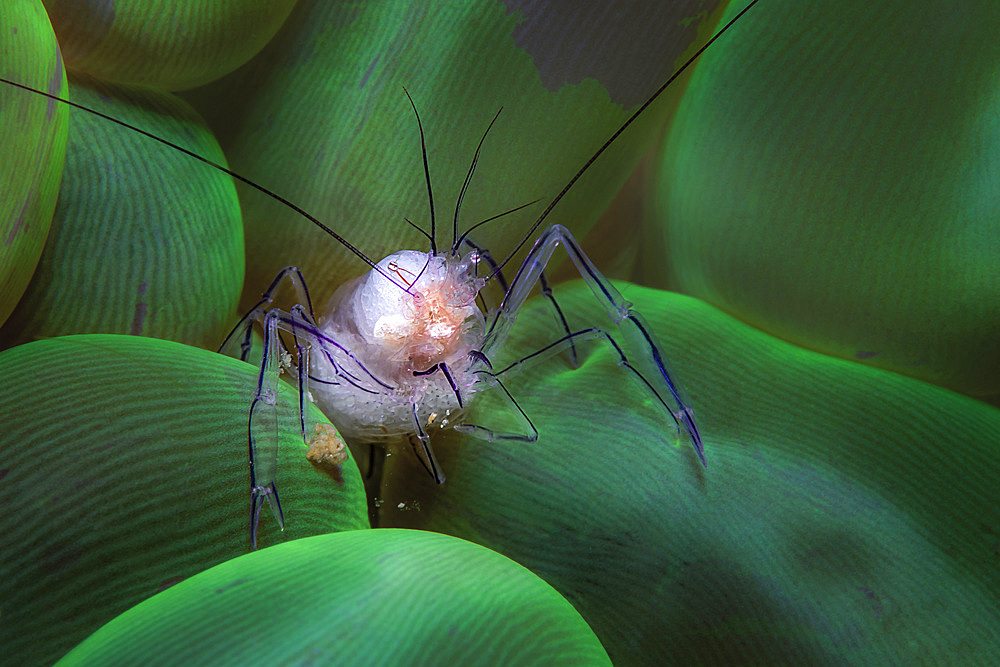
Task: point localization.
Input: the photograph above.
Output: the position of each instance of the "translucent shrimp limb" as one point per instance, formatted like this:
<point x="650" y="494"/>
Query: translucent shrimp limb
<point x="243" y="330"/>
<point x="496" y="271"/>
<point x="344" y="367"/>
<point x="262" y="428"/>
<point x="641" y="353"/>
<point x="263" y="422"/>
<point x="263" y="435"/>
<point x="530" y="433"/>
<point x="421" y="443"/>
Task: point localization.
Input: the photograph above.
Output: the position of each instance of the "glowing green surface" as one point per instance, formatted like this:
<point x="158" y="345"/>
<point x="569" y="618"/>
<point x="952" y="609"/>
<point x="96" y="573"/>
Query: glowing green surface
<point x="846" y="516"/>
<point x="320" y="117"/>
<point x="848" y="513"/>
<point x="123" y="469"/>
<point x="831" y="177"/>
<point x="167" y="44"/>
<point x="431" y="599"/>
<point x="145" y="240"/>
<point x="33" y="137"/>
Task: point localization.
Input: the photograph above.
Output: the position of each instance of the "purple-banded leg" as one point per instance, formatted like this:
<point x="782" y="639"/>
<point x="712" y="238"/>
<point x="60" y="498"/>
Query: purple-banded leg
<point x="547" y="293"/>
<point x="543" y="283"/>
<point x="302" y="347"/>
<point x="263" y="431"/>
<point x="421" y="443"/>
<point x="639" y="350"/>
<point x="263" y="422"/>
<point x="442" y="367"/>
<point x="530" y="433"/>
<point x="243" y="330"/>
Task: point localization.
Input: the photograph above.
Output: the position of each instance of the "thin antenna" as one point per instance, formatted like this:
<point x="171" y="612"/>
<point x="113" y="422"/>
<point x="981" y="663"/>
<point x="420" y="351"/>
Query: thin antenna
<point x="427" y="171"/>
<point x="611" y="140"/>
<point x="461" y="239"/>
<point x="418" y="228"/>
<point x="455" y="243"/>
<point x="243" y="179"/>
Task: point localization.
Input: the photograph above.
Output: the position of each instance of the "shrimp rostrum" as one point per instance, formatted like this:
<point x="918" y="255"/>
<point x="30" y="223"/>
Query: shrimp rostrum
<point x="407" y="343"/>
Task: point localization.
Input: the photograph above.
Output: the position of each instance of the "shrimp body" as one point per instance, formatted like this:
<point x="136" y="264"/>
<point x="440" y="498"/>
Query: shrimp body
<point x="415" y="338"/>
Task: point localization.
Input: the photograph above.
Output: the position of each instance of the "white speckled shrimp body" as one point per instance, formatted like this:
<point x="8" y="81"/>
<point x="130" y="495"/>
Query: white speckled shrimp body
<point x="415" y="336"/>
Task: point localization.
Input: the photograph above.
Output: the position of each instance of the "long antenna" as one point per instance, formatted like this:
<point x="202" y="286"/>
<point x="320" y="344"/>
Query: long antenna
<point x="427" y="171"/>
<point x="344" y="242"/>
<point x="461" y="239"/>
<point x="611" y="140"/>
<point x="455" y="242"/>
<point x="243" y="179"/>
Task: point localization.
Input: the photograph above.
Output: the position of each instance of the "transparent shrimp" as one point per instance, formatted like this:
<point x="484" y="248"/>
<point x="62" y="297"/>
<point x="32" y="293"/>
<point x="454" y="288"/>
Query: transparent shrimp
<point x="407" y="342"/>
<point x="389" y="355"/>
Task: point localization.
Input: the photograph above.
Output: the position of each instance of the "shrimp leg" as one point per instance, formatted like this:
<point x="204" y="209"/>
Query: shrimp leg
<point x="263" y="432"/>
<point x="263" y="421"/>
<point x="543" y="284"/>
<point x="493" y="435"/>
<point x="242" y="331"/>
<point x="641" y="352"/>
<point x="421" y="443"/>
